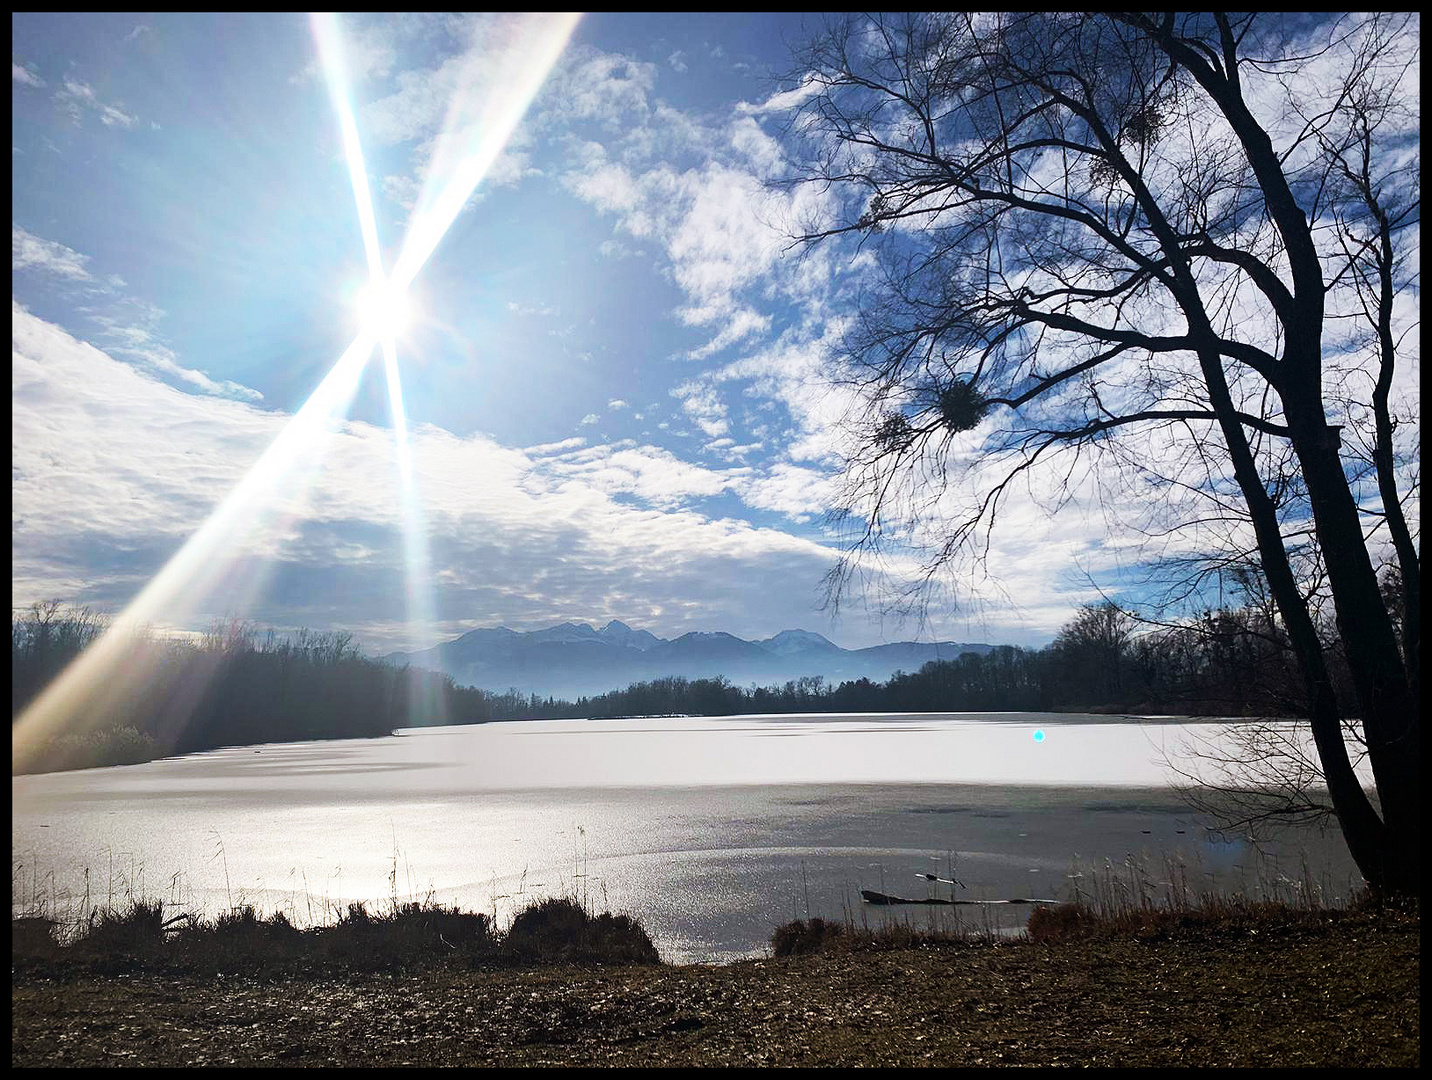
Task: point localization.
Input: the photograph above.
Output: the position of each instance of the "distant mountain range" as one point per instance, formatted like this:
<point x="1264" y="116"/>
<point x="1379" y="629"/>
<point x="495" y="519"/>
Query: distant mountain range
<point x="573" y="659"/>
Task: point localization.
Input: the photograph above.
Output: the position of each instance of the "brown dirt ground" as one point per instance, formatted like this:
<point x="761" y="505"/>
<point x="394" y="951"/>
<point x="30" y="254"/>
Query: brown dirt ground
<point x="1345" y="994"/>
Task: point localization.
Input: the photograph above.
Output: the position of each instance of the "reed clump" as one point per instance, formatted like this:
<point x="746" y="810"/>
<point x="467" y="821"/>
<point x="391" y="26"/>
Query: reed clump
<point x="1136" y="900"/>
<point x="1228" y="916"/>
<point x="141" y="937"/>
<point x="803" y="937"/>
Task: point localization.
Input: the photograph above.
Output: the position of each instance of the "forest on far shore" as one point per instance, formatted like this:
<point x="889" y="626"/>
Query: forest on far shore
<point x="236" y="686"/>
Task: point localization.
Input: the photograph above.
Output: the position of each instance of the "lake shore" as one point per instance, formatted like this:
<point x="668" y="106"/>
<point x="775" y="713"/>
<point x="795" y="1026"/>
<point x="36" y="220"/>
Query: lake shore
<point x="1322" y="989"/>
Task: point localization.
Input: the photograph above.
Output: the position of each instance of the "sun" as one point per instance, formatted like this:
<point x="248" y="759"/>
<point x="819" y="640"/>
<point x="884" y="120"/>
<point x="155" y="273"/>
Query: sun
<point x="383" y="310"/>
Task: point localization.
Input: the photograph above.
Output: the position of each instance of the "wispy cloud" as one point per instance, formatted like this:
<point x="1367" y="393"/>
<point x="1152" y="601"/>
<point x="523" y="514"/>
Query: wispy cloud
<point x="615" y="249"/>
<point x="591" y="85"/>
<point x="76" y="97"/>
<point x="24" y="74"/>
<point x="700" y="402"/>
<point x="782" y="101"/>
<point x="136" y="337"/>
<point x="127" y="326"/>
<point x="369" y="53"/>
<point x="30" y="252"/>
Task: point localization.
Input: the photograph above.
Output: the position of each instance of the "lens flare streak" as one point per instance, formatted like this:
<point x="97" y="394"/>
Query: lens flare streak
<point x="423" y="706"/>
<point x="481" y="117"/>
<point x="188" y="578"/>
<point x="495" y="92"/>
<point x="330" y="52"/>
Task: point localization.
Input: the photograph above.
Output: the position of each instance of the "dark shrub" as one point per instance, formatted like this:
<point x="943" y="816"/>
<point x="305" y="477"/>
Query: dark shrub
<point x="411" y="934"/>
<point x="563" y="930"/>
<point x="137" y="931"/>
<point x="245" y="930"/>
<point x="356" y="916"/>
<point x="1062" y="922"/>
<point x="620" y="939"/>
<point x="33" y="937"/>
<point x="435" y="926"/>
<point x="801" y="937"/>
<point x="237" y="940"/>
<point x="239" y="922"/>
<point x="423" y="931"/>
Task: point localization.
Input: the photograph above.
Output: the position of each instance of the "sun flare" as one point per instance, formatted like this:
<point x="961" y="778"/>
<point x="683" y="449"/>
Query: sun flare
<point x="383" y="310"/>
<point x="465" y="152"/>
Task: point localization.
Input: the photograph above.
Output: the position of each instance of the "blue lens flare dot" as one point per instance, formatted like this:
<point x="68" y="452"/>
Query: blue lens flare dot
<point x="1039" y="735"/>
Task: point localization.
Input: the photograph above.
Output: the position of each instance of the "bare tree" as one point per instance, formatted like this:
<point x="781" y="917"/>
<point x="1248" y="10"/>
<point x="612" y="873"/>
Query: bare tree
<point x="1379" y="204"/>
<point x="1109" y="238"/>
<point x="1092" y="650"/>
<point x="1254" y="773"/>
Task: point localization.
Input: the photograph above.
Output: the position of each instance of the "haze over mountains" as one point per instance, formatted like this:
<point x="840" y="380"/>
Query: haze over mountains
<point x="574" y="659"/>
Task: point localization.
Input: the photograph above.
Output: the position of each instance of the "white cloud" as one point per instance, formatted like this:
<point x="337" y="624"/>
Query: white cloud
<point x="30" y="252"/>
<point x="609" y="187"/>
<point x="740" y="324"/>
<point x="589" y="85"/>
<point x="87" y="459"/>
<point x="615" y="249"/>
<point x="112" y="469"/>
<point x="723" y="230"/>
<point x="649" y="473"/>
<point x="138" y="343"/>
<point x="544" y="449"/>
<point x="724" y="241"/>
<point x="783" y="100"/>
<point x="24" y="75"/>
<point x="677" y="60"/>
<point x="798" y="492"/>
<point x="762" y="152"/>
<point x="700" y="402"/>
<point x="590" y="418"/>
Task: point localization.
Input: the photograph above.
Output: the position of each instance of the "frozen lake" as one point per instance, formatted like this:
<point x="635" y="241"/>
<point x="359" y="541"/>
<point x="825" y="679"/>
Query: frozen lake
<point x="713" y="831"/>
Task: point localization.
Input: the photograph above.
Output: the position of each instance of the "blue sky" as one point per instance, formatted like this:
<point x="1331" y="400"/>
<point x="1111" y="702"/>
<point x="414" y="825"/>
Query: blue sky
<point x="617" y="378"/>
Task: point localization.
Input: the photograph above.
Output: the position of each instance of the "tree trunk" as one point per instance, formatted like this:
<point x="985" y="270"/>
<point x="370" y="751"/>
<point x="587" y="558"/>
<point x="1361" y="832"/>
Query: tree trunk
<point x="1389" y="713"/>
<point x="1408" y="562"/>
<point x="1366" y="834"/>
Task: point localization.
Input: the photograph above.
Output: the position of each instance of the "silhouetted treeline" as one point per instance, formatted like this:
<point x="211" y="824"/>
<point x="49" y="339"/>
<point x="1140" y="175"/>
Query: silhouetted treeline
<point x="234" y="686"/>
<point x="230" y="687"/>
<point x="1232" y="662"/>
